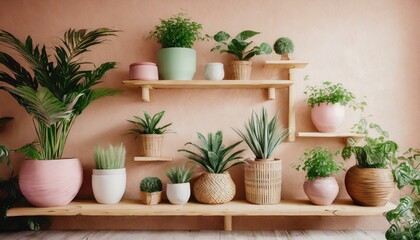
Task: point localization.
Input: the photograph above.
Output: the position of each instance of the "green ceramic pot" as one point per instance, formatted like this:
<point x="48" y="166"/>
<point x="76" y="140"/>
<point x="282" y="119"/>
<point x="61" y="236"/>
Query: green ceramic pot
<point x="176" y="63"/>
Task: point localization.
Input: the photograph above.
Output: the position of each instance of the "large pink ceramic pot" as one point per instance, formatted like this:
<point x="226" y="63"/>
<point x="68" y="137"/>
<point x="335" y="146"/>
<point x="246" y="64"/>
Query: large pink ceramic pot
<point x="50" y="183"/>
<point x="321" y="191"/>
<point x="328" y="117"/>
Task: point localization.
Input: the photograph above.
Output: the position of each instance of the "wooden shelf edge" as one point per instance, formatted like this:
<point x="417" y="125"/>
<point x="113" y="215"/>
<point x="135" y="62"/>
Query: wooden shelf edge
<point x="330" y="135"/>
<point x="191" y="84"/>
<point x="286" y="63"/>
<point x="152" y="159"/>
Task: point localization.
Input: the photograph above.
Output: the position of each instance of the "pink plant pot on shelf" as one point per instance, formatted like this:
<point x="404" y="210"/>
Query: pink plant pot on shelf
<point x="321" y="191"/>
<point x="50" y="183"/>
<point x="328" y="117"/>
<point x="143" y="71"/>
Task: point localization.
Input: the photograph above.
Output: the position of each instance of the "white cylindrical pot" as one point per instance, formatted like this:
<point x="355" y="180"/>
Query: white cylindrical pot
<point x="108" y="185"/>
<point x="178" y="193"/>
<point x="214" y="71"/>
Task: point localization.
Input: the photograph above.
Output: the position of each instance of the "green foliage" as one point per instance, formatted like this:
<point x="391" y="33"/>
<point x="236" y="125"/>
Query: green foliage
<point x="263" y="136"/>
<point x="55" y="89"/>
<point x="237" y="45"/>
<point x="113" y="158"/>
<point x="283" y="45"/>
<point x="148" y="125"/>
<point x="319" y="162"/>
<point x="332" y="93"/>
<point x="151" y="184"/>
<point x="180" y="174"/>
<point x="405" y="218"/>
<point x="177" y="31"/>
<point x="213" y="155"/>
<point x="3" y="121"/>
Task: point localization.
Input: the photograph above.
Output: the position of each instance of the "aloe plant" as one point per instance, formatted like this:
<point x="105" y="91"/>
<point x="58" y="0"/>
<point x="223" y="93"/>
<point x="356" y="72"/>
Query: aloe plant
<point x="180" y="174"/>
<point x="213" y="155"/>
<point x="55" y="88"/>
<point x="148" y="124"/>
<point x="112" y="158"/>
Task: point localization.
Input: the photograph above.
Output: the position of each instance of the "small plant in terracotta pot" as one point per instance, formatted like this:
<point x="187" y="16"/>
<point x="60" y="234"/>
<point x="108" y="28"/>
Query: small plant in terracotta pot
<point x="150" y="134"/>
<point x="284" y="47"/>
<point x="320" y="185"/>
<point x="178" y="190"/>
<point x="150" y="190"/>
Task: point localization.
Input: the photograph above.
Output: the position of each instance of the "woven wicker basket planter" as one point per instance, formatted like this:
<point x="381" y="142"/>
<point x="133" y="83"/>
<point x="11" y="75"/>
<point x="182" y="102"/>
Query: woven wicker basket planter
<point x="369" y="186"/>
<point x="213" y="188"/>
<point x="151" y="145"/>
<point x="241" y="70"/>
<point x="150" y="198"/>
<point x="263" y="181"/>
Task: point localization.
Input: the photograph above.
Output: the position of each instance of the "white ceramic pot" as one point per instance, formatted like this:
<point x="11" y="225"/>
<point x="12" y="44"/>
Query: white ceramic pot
<point x="328" y="117"/>
<point x="108" y="185"/>
<point x="214" y="71"/>
<point x="178" y="193"/>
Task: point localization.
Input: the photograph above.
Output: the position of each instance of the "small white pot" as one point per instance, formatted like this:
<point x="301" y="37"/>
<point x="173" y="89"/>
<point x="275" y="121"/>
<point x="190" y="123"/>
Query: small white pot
<point x="178" y="193"/>
<point x="214" y="71"/>
<point x="108" y="185"/>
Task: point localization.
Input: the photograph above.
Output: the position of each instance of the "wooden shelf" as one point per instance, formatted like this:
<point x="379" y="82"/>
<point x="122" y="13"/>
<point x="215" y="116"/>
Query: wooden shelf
<point x="330" y="135"/>
<point x="152" y="159"/>
<point x="286" y="63"/>
<point x="271" y="85"/>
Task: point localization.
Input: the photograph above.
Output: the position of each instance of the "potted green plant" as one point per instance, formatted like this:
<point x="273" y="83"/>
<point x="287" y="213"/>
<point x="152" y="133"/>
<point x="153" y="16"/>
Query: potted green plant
<point x="150" y="134"/>
<point x="55" y="90"/>
<point x="237" y="46"/>
<point x="178" y="190"/>
<point x="405" y="218"/>
<point x="320" y="185"/>
<point x="215" y="185"/>
<point x="150" y="190"/>
<point x="370" y="181"/>
<point x="177" y="35"/>
<point x="284" y="47"/>
<point x="109" y="176"/>
<point x="263" y="174"/>
<point x="328" y="104"/>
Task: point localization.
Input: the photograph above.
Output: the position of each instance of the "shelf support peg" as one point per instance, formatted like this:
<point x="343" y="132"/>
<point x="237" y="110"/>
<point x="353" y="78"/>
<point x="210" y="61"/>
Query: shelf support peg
<point x="145" y="93"/>
<point x="228" y="223"/>
<point x="271" y="93"/>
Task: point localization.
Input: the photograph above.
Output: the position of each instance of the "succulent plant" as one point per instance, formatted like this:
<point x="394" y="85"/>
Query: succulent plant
<point x="149" y="125"/>
<point x="180" y="174"/>
<point x="113" y="158"/>
<point x="151" y="184"/>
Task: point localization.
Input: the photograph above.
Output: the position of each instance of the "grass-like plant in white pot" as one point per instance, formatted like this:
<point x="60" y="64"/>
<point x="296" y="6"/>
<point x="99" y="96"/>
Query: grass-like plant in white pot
<point x="237" y="46"/>
<point x="177" y="35"/>
<point x="54" y="88"/>
<point x="109" y="175"/>
<point x="150" y="190"/>
<point x="283" y="46"/>
<point x="215" y="185"/>
<point x="320" y="185"/>
<point x="178" y="190"/>
<point x="150" y="134"/>
<point x="263" y="175"/>
<point x="328" y="104"/>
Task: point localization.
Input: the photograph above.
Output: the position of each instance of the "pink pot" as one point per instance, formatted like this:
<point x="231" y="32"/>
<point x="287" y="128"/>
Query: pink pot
<point x="328" y="117"/>
<point x="321" y="191"/>
<point x="143" y="71"/>
<point x="50" y="183"/>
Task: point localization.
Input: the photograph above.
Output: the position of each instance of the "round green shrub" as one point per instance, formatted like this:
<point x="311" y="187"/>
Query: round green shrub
<point x="283" y="45"/>
<point x="151" y="184"/>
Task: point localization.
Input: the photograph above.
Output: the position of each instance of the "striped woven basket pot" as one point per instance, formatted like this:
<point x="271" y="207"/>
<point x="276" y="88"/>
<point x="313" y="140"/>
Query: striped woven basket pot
<point x="369" y="186"/>
<point x="151" y="145"/>
<point x="214" y="188"/>
<point x="241" y="70"/>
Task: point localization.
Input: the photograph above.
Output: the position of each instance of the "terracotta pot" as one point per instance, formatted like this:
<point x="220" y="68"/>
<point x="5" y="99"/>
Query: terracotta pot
<point x="241" y="70"/>
<point x="151" y="145"/>
<point x="328" y="117"/>
<point x="214" y="188"/>
<point x="321" y="191"/>
<point x="50" y="183"/>
<point x="143" y="71"/>
<point x="369" y="186"/>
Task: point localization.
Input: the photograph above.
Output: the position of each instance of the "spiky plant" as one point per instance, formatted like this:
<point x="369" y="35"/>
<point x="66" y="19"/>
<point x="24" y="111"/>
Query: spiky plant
<point x="213" y="155"/>
<point x="113" y="158"/>
<point x="180" y="174"/>
<point x="55" y="88"/>
<point x="151" y="184"/>
<point x="148" y="125"/>
<point x="263" y="136"/>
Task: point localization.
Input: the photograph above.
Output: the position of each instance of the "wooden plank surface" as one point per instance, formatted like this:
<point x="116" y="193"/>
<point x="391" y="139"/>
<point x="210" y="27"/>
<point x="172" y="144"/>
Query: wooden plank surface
<point x="208" y="84"/>
<point x="152" y="159"/>
<point x="335" y="134"/>
<point x="286" y="63"/>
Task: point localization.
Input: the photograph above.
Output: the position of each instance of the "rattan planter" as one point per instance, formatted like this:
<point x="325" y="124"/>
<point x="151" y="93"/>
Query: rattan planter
<point x="150" y="198"/>
<point x="213" y="188"/>
<point x="151" y="145"/>
<point x="241" y="70"/>
<point x="263" y="181"/>
<point x="369" y="186"/>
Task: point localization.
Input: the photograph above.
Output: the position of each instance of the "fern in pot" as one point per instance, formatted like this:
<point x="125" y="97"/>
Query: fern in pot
<point x="54" y="88"/>
<point x="215" y="185"/>
<point x="178" y="190"/>
<point x="109" y="175"/>
<point x="263" y="175"/>
<point x="150" y="190"/>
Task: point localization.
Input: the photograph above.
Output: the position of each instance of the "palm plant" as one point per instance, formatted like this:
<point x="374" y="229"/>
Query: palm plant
<point x="149" y="125"/>
<point x="180" y="174"/>
<point x="112" y="158"/>
<point x="262" y="136"/>
<point x="55" y="90"/>
<point x="213" y="155"/>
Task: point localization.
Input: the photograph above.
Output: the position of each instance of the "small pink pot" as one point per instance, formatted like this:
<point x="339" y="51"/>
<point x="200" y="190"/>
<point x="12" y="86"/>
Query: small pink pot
<point x="328" y="117"/>
<point x="50" y="183"/>
<point x="143" y="71"/>
<point x="321" y="191"/>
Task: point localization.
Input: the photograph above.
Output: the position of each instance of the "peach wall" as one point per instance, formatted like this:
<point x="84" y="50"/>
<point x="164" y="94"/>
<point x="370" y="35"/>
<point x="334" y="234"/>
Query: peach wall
<point x="370" y="46"/>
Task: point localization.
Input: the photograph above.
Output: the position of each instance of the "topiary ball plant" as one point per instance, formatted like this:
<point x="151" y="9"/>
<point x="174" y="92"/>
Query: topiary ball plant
<point x="283" y="46"/>
<point x="151" y="184"/>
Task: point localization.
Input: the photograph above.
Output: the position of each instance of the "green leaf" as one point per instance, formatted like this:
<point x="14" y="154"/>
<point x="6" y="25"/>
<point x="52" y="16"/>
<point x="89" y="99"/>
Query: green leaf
<point x="221" y="36"/>
<point x="244" y="35"/>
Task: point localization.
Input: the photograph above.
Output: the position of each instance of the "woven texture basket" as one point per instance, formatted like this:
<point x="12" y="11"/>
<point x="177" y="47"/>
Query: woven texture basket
<point x="263" y="181"/>
<point x="150" y="198"/>
<point x="213" y="188"/>
<point x="241" y="70"/>
<point x="151" y="145"/>
<point x="369" y="186"/>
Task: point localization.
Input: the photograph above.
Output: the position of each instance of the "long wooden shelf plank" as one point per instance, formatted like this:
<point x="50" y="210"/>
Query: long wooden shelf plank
<point x="234" y="208"/>
<point x="152" y="159"/>
<point x="286" y="63"/>
<point x="208" y="84"/>
<point x="335" y="134"/>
